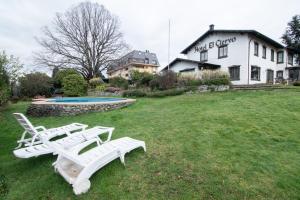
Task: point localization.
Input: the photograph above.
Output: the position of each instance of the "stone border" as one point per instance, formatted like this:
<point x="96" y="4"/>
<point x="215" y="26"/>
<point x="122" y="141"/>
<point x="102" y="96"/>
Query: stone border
<point x="43" y="107"/>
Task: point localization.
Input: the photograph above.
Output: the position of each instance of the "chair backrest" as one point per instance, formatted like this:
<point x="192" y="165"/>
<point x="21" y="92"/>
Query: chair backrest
<point x="25" y="123"/>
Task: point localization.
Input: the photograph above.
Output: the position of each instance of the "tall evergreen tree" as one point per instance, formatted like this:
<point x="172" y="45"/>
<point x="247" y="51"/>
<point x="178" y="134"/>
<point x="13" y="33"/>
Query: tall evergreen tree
<point x="291" y="37"/>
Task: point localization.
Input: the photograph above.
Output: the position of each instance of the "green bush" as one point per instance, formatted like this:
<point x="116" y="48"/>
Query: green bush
<point x="134" y="93"/>
<point x="95" y="82"/>
<point x="171" y="92"/>
<point x="218" y="81"/>
<point x="35" y="84"/>
<point x="119" y="82"/>
<point x="189" y="82"/>
<point x="297" y="83"/>
<point x="61" y="74"/>
<point x="74" y="85"/>
<point x="4" y="83"/>
<point x="141" y="79"/>
<point x="101" y="87"/>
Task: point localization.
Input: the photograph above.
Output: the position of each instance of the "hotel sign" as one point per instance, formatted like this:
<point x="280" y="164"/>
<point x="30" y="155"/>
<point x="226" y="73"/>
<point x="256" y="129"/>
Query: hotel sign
<point x="217" y="43"/>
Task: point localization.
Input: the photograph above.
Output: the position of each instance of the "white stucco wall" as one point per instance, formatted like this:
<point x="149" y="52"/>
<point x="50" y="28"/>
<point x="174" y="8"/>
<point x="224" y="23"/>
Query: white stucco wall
<point x="240" y="52"/>
<point x="181" y="65"/>
<point x="237" y="53"/>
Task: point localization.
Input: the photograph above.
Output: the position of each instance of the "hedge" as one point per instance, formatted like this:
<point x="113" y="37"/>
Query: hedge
<point x="164" y="93"/>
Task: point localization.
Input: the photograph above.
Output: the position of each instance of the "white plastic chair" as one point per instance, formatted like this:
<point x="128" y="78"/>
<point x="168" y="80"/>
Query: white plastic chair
<point x="76" y="168"/>
<point x="32" y="135"/>
<point x="36" y="145"/>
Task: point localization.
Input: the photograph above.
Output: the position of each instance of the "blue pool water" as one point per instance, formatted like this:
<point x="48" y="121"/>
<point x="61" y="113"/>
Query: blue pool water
<point x="84" y="99"/>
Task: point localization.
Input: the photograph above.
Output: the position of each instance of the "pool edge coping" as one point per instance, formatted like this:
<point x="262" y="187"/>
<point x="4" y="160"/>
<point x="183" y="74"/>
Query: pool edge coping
<point x="46" y="102"/>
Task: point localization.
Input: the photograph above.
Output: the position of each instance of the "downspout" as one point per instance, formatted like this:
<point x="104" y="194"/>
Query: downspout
<point x="249" y="60"/>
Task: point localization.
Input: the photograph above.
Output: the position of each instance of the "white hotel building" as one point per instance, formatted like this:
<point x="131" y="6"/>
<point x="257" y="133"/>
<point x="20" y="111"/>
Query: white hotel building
<point x="249" y="56"/>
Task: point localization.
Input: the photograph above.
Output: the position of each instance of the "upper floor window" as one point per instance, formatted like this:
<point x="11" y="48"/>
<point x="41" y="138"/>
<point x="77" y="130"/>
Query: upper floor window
<point x="255" y="73"/>
<point x="234" y="73"/>
<point x="147" y="60"/>
<point x="203" y="56"/>
<point x="256" y="48"/>
<point x="280" y="57"/>
<point x="223" y="51"/>
<point x="290" y="58"/>
<point x="272" y="55"/>
<point x="264" y="53"/>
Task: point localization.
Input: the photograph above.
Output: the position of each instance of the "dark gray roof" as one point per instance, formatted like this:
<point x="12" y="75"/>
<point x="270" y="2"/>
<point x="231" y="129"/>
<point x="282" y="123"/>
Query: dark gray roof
<point x="199" y="63"/>
<point x="135" y="56"/>
<point x="251" y="32"/>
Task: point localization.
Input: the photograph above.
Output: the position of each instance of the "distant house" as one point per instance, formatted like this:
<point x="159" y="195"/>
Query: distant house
<point x="247" y="55"/>
<point x="142" y="61"/>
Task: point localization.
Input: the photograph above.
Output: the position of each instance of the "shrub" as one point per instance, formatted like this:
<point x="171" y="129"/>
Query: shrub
<point x="165" y="81"/>
<point x="101" y="87"/>
<point x="119" y="82"/>
<point x="188" y="80"/>
<point x="112" y="89"/>
<point x="215" y="77"/>
<point x="213" y="74"/>
<point x="4" y="84"/>
<point x="4" y="94"/>
<point x="94" y="82"/>
<point x="154" y="83"/>
<point x="35" y="84"/>
<point x="171" y="92"/>
<point x="61" y="74"/>
<point x="74" y="85"/>
<point x="141" y="79"/>
<point x="134" y="93"/>
<point x="219" y="81"/>
<point x="297" y="83"/>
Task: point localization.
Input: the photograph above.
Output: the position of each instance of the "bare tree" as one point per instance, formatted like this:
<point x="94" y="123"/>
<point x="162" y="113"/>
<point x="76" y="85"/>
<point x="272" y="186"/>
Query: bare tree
<point x="87" y="38"/>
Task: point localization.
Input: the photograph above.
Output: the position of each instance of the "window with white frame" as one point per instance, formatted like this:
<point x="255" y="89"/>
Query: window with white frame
<point x="203" y="56"/>
<point x="280" y="57"/>
<point x="223" y="51"/>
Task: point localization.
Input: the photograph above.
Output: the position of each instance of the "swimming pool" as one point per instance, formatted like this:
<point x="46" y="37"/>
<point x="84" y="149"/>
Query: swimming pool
<point x="84" y="99"/>
<point x="64" y="106"/>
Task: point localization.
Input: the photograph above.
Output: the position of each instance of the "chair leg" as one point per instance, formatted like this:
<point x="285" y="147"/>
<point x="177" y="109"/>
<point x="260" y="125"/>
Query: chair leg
<point x="122" y="158"/>
<point x="81" y="187"/>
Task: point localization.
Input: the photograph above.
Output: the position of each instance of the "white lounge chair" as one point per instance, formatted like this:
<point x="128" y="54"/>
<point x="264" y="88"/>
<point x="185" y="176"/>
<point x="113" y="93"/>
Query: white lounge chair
<point x="36" y="133"/>
<point x="76" y="168"/>
<point x="37" y="144"/>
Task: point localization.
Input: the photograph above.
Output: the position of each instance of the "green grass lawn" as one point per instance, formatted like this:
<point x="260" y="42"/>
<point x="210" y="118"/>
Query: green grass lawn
<point x="232" y="145"/>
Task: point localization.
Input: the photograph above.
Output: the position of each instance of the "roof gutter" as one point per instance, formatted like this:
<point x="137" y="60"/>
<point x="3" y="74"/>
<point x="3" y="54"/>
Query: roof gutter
<point x="249" y="60"/>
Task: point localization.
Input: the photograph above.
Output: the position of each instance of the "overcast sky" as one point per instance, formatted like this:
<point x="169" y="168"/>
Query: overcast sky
<point x="145" y="23"/>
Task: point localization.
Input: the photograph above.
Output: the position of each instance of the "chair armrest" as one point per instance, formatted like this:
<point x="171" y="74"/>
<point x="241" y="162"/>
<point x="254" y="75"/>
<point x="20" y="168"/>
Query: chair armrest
<point x="40" y="128"/>
<point x="99" y="130"/>
<point x="79" y="147"/>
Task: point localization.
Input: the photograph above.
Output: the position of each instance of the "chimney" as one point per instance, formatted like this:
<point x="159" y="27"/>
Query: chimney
<point x="211" y="27"/>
